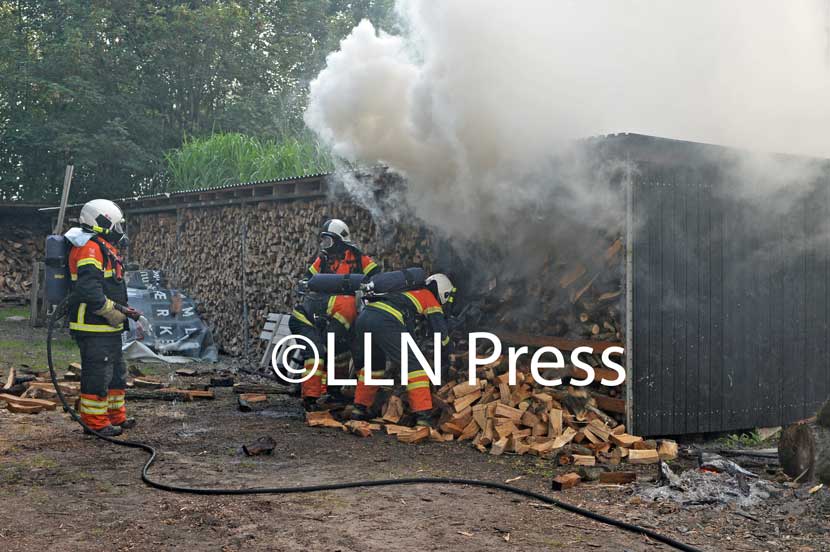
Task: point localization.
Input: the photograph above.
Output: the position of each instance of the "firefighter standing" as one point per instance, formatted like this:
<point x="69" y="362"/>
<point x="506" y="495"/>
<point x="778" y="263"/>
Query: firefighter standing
<point x="386" y="318"/>
<point x="338" y="256"/>
<point x="97" y="307"/>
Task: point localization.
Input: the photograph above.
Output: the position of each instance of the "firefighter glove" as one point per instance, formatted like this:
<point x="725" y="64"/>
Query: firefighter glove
<point x="113" y="316"/>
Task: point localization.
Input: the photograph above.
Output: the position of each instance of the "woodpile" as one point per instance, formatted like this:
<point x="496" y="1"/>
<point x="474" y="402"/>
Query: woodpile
<point x="203" y="252"/>
<point x="570" y="299"/>
<point x="30" y="394"/>
<point x="19" y="247"/>
<point x="566" y="425"/>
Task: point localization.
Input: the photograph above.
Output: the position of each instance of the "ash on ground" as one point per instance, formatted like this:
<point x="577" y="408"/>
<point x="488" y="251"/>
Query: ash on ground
<point x="702" y="487"/>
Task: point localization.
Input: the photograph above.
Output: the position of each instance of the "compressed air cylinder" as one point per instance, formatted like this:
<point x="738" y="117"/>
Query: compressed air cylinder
<point x="336" y="284"/>
<point x="400" y="280"/>
<point x="56" y="271"/>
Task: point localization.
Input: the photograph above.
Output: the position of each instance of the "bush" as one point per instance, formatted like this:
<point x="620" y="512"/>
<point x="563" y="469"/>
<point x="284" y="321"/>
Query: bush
<point x="230" y="158"/>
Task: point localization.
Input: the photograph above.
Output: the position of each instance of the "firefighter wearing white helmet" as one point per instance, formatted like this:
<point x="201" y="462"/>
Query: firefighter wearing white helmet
<point x="318" y="315"/>
<point x="388" y="316"/>
<point x="442" y="287"/>
<point x="97" y="315"/>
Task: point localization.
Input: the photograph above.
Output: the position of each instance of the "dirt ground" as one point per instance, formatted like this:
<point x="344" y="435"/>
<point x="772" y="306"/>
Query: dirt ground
<point x="61" y="490"/>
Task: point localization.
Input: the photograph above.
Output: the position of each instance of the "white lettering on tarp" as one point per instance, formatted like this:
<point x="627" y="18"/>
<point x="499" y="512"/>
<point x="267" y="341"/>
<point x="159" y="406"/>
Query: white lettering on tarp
<point x="165" y="330"/>
<point x="190" y="331"/>
<point x="162" y="313"/>
<point x="159" y="296"/>
<point x="187" y="312"/>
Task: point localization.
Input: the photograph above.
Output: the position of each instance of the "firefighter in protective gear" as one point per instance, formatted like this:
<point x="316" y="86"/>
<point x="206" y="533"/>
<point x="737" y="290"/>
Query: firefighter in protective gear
<point x="97" y="306"/>
<point x="386" y="318"/>
<point x="319" y="313"/>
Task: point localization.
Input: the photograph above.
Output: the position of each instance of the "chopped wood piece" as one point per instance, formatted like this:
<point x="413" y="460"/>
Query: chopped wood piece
<point x="606" y="403"/>
<point x="647" y="444"/>
<point x="186" y="372"/>
<point x="667" y="450"/>
<point x="499" y="446"/>
<point x="452" y="429"/>
<point x="469" y="431"/>
<point x="584" y="460"/>
<point x="618" y="478"/>
<point x="554" y="422"/>
<point x="21" y="409"/>
<point x="9" y="380"/>
<point x="565" y="481"/>
<point x="648" y="456"/>
<point x="624" y="439"/>
<point x="392" y="429"/>
<point x="566" y="437"/>
<point x="467" y="400"/>
<point x="465" y="389"/>
<point x="263" y="445"/>
<point x="415" y="435"/>
<point x="360" y="428"/>
<point x="322" y="419"/>
<point x="504" y="411"/>
<point x="246" y="401"/>
<point x="393" y="410"/>
<point x="147" y="383"/>
<point x="20" y="401"/>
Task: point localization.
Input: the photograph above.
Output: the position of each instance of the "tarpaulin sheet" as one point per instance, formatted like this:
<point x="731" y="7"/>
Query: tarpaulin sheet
<point x="177" y="329"/>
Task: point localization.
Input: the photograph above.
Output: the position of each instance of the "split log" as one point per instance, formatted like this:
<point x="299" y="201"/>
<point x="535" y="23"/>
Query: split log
<point x="647" y="456"/>
<point x="263" y="445"/>
<point x="618" y="478"/>
<point x="20" y="401"/>
<point x="565" y="481"/>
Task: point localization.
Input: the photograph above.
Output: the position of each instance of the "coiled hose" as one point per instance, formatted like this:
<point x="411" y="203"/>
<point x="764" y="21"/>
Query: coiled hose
<point x="60" y="313"/>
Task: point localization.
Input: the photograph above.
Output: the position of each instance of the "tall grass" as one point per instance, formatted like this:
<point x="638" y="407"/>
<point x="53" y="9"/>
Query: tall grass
<point x="229" y="158"/>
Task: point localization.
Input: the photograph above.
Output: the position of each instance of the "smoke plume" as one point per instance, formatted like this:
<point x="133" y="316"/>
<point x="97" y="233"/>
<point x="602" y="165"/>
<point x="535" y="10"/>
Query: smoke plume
<point x="475" y="101"/>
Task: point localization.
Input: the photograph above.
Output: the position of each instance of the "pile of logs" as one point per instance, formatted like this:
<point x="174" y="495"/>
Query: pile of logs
<point x="576" y="299"/>
<point x="29" y="394"/>
<point x="19" y="247"/>
<point x="242" y="262"/>
<point x="573" y="426"/>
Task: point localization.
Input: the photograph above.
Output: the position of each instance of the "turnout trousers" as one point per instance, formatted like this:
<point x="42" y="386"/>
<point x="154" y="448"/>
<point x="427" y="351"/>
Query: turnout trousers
<point x="103" y="380"/>
<point x="386" y="333"/>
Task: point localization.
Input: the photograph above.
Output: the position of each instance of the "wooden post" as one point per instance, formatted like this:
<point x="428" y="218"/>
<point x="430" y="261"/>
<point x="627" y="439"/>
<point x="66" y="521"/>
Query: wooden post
<point x="67" y="182"/>
<point x="34" y="296"/>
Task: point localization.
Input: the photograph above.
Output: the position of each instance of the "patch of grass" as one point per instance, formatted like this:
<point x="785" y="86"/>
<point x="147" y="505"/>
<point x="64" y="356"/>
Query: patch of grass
<point x="16" y="352"/>
<point x="7" y="312"/>
<point x="743" y="440"/>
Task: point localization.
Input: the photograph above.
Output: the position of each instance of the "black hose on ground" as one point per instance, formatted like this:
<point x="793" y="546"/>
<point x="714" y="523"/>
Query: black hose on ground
<point x="60" y="313"/>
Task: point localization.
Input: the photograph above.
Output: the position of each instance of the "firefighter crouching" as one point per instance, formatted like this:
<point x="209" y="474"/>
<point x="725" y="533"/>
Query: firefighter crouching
<point x="386" y="318"/>
<point x="320" y="313"/>
<point x="97" y="307"/>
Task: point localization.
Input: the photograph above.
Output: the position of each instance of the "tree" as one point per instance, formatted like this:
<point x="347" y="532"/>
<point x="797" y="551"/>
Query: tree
<point x="112" y="85"/>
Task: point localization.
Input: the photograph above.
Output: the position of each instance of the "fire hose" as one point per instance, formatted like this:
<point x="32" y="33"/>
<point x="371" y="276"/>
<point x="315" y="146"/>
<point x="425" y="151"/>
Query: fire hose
<point x="60" y="313"/>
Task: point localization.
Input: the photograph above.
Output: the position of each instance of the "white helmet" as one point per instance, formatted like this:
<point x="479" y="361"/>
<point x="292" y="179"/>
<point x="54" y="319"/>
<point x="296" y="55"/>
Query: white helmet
<point x="333" y="232"/>
<point x="102" y="216"/>
<point x="442" y="285"/>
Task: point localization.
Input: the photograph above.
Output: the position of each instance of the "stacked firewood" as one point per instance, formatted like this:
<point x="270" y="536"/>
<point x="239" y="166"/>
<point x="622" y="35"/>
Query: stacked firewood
<point x="576" y="299"/>
<point x="18" y="248"/>
<point x="241" y="263"/>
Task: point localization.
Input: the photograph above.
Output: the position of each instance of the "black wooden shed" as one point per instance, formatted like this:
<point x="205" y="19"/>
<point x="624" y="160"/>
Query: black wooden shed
<point x="727" y="293"/>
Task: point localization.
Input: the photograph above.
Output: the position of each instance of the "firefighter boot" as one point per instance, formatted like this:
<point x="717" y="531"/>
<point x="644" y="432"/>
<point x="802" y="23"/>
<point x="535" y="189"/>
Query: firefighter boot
<point x="106" y="431"/>
<point x="359" y="413"/>
<point x="423" y="419"/>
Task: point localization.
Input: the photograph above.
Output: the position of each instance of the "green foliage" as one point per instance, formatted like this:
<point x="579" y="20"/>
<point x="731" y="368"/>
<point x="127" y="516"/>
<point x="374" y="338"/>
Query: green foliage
<point x="112" y="85"/>
<point x="751" y="439"/>
<point x="224" y="159"/>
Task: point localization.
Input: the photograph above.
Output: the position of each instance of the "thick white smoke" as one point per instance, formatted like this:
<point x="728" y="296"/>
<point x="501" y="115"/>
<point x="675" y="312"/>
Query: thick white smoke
<point x="473" y="99"/>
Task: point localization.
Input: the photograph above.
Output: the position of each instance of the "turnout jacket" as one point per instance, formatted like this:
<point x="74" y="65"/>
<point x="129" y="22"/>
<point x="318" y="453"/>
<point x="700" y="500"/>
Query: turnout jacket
<point x="353" y="262"/>
<point x="342" y="308"/>
<point x="97" y="274"/>
<point x="407" y="306"/>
